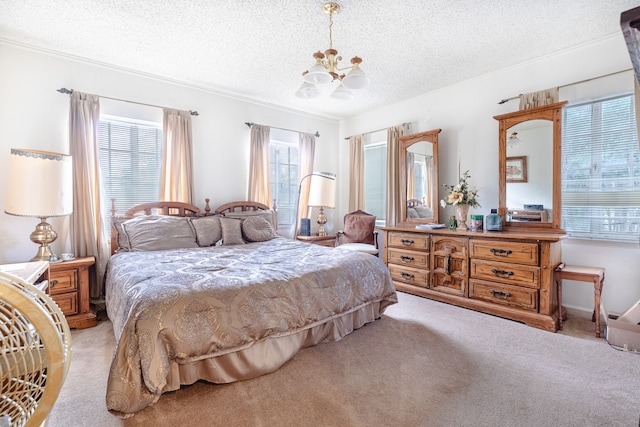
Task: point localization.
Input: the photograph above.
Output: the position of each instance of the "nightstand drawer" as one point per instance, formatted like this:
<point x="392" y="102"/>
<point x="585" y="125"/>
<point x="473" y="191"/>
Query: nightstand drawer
<point x="63" y="281"/>
<point x="68" y="303"/>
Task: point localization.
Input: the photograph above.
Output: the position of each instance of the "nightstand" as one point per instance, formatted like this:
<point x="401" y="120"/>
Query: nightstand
<point x="328" y="240"/>
<point x="69" y="288"/>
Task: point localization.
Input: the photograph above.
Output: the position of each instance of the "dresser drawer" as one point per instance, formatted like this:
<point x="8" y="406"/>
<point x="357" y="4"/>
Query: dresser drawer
<point x="513" y="296"/>
<point x="512" y="274"/>
<point x="415" y="241"/>
<point x="68" y="303"/>
<point x="412" y="276"/>
<point x="511" y="252"/>
<point x="408" y="258"/>
<point x="63" y="281"/>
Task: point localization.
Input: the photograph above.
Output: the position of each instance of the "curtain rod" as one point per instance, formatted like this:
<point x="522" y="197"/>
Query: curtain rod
<point x="70" y="91"/>
<point x="373" y="131"/>
<point x="317" y="134"/>
<point x="572" y="84"/>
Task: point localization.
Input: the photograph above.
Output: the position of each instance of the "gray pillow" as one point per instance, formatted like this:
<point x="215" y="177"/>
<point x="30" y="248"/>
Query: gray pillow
<point x="268" y="215"/>
<point x="121" y="237"/>
<point x="208" y="230"/>
<point x="154" y="233"/>
<point x="257" y="229"/>
<point x="231" y="231"/>
<point x="424" y="212"/>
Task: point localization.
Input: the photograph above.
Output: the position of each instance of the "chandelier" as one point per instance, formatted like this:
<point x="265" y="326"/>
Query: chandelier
<point x="325" y="70"/>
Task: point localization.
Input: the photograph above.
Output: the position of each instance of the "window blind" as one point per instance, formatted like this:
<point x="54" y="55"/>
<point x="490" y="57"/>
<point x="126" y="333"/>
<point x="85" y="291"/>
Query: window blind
<point x="130" y="160"/>
<point x="375" y="180"/>
<point x="601" y="170"/>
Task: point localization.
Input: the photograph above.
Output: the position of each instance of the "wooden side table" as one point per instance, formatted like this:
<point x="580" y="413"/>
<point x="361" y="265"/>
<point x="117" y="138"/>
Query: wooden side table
<point x="579" y="273"/>
<point x="328" y="240"/>
<point x="69" y="288"/>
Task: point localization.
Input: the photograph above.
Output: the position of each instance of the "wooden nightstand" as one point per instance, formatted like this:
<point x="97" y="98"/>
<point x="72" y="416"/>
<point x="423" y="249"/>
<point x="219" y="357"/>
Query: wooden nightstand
<point x="69" y="288"/>
<point x="328" y="240"/>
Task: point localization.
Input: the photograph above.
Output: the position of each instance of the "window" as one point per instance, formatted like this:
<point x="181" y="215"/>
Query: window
<point x="375" y="175"/>
<point x="130" y="161"/>
<point x="283" y="175"/>
<point x="601" y="170"/>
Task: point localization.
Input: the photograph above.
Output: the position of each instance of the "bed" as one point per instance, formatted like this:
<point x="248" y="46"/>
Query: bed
<point x="208" y="307"/>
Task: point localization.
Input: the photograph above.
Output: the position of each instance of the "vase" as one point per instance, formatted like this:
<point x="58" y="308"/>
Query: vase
<point x="462" y="213"/>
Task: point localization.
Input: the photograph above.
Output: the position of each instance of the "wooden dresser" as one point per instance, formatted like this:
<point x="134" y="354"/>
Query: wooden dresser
<point x="69" y="288"/>
<point x="508" y="274"/>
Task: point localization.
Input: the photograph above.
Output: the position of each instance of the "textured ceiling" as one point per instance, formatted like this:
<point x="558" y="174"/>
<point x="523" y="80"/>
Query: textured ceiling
<point x="257" y="49"/>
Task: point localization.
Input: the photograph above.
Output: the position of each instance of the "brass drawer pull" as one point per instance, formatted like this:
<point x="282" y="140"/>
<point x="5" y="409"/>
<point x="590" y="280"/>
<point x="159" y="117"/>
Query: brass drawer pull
<point x="502" y="273"/>
<point x="407" y="242"/>
<point x="501" y="252"/>
<point x="405" y="258"/>
<point x="407" y="275"/>
<point x="500" y="294"/>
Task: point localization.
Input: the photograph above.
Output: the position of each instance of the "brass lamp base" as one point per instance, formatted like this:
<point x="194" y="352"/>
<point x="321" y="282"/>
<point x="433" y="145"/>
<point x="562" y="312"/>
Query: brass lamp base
<point x="321" y="220"/>
<point x="43" y="234"/>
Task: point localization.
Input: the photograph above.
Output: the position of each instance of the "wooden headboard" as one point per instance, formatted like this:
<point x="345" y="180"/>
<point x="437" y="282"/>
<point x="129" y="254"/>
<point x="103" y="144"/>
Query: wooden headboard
<point x="241" y="206"/>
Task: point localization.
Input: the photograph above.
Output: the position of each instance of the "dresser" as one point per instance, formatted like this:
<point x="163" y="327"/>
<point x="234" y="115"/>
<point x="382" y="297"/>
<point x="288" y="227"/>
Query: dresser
<point x="507" y="274"/>
<point x="69" y="288"/>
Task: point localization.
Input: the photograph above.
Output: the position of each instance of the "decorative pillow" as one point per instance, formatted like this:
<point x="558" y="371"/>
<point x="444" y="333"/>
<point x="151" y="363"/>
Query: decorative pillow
<point x="208" y="230"/>
<point x="424" y="212"/>
<point x="257" y="229"/>
<point x="231" y="231"/>
<point x="121" y="237"/>
<point x="154" y="233"/>
<point x="268" y="215"/>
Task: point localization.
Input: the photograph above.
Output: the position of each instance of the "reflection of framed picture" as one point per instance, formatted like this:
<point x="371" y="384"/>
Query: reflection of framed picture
<point x="517" y="169"/>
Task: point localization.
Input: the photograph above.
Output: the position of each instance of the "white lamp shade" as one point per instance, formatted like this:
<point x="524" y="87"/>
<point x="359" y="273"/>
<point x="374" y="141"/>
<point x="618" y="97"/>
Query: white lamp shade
<point x="318" y="74"/>
<point x="40" y="184"/>
<point x="307" y="91"/>
<point x="342" y="92"/>
<point x="322" y="191"/>
<point x="355" y="79"/>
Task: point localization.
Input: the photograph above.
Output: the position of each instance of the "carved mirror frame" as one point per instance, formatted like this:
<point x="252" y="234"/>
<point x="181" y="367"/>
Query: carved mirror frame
<point x="407" y="141"/>
<point x="552" y="112"/>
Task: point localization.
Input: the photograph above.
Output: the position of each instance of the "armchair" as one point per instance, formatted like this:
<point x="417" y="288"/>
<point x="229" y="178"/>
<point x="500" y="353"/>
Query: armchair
<point x="359" y="233"/>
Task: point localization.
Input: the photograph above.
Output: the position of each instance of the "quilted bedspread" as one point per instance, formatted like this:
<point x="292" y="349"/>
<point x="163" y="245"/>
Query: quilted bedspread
<point x="176" y="311"/>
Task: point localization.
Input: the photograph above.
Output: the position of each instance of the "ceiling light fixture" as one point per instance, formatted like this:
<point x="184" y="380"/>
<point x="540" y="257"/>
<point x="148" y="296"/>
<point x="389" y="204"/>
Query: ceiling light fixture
<point x="325" y="70"/>
<point x="513" y="140"/>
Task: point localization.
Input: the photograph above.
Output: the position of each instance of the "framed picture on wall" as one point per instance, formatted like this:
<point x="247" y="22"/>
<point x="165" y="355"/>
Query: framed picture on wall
<point x="517" y="169"/>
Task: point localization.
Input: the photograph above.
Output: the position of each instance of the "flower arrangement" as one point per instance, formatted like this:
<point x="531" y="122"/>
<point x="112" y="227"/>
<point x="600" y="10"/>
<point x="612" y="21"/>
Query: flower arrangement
<point x="461" y="194"/>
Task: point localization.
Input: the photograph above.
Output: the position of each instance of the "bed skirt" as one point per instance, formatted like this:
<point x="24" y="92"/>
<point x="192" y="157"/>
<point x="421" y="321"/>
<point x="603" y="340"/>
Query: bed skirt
<point x="258" y="358"/>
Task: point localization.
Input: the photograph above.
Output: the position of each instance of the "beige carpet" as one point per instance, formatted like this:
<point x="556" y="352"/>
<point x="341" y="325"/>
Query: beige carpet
<point x="423" y="364"/>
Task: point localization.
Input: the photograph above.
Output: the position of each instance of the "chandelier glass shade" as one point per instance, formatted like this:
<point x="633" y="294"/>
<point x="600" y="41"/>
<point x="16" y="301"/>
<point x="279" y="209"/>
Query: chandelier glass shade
<point x="513" y="140"/>
<point x="326" y="69"/>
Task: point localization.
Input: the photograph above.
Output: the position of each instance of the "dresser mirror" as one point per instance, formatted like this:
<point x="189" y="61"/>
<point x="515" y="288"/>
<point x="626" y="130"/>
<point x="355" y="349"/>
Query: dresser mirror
<point x="419" y="172"/>
<point x="529" y="161"/>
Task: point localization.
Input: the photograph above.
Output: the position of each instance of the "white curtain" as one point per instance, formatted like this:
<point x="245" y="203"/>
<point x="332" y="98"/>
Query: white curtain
<point x="636" y="97"/>
<point x="356" y="173"/>
<point x="306" y="154"/>
<point x="176" y="180"/>
<point x="88" y="226"/>
<point x="259" y="184"/>
<point x="394" y="180"/>
<point x="538" y="99"/>
<point x="411" y="175"/>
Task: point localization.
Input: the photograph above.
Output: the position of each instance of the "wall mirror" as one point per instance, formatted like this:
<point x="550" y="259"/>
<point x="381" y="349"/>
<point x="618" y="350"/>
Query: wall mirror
<point x="419" y="172"/>
<point x="529" y="161"/>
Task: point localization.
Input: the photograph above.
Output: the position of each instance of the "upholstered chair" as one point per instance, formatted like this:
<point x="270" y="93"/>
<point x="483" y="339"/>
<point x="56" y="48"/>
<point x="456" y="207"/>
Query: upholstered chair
<point x="358" y="233"/>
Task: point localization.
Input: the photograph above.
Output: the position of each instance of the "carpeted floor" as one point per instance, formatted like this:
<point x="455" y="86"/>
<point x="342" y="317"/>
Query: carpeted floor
<point x="423" y="364"/>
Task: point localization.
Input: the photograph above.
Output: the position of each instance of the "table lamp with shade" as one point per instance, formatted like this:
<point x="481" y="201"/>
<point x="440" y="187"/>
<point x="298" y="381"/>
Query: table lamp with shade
<point x="322" y="194"/>
<point x="40" y="185"/>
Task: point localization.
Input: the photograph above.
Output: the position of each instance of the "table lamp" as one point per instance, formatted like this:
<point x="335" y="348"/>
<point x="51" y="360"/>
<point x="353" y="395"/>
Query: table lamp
<point x="40" y="185"/>
<point x="322" y="194"/>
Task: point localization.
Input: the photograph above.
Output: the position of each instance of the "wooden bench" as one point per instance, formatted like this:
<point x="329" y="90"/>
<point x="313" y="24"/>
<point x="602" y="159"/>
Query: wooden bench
<point x="580" y="273"/>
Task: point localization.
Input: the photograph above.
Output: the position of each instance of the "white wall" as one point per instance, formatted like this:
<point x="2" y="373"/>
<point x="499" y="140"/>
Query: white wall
<point x="469" y="135"/>
<point x="34" y="115"/>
